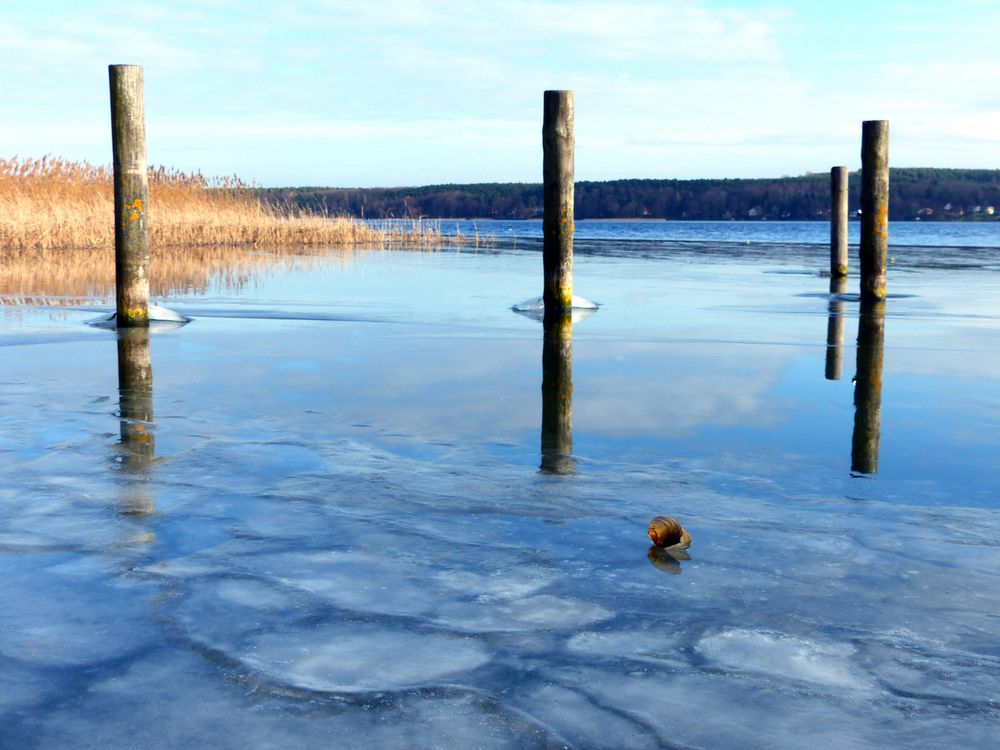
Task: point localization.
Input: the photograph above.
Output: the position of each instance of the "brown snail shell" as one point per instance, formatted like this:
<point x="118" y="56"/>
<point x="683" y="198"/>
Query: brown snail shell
<point x="665" y="531"/>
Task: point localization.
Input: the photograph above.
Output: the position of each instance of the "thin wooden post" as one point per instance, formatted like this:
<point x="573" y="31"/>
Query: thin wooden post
<point x="558" y="142"/>
<point x="128" y="140"/>
<point x="874" y="207"/>
<point x="838" y="221"/>
<point x="557" y="397"/>
<point x="835" y="329"/>
<point x="868" y="388"/>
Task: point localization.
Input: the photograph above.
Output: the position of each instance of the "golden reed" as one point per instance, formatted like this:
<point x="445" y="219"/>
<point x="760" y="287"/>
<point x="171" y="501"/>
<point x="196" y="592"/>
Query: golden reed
<point x="52" y="203"/>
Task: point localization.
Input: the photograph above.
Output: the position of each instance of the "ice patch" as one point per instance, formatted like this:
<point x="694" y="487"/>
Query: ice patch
<point x="172" y="697"/>
<point x="535" y="308"/>
<point x="253" y="594"/>
<point x="345" y="659"/>
<point x="160" y="319"/>
<point x="526" y="582"/>
<point x="584" y="723"/>
<point x="538" y="304"/>
<point x="643" y="645"/>
<point x="532" y="613"/>
<point x="60" y="616"/>
<point x="691" y="709"/>
<point x="785" y="657"/>
<point x="355" y="581"/>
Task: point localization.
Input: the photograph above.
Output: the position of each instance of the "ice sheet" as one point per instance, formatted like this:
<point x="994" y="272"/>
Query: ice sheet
<point x="347" y="530"/>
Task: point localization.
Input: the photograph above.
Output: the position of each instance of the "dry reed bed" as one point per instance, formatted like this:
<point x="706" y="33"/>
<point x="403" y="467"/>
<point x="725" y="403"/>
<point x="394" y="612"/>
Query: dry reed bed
<point x="79" y="276"/>
<point x="52" y="203"/>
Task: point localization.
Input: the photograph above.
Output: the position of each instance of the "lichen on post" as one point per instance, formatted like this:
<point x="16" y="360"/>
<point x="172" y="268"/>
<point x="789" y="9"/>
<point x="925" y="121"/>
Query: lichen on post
<point x="128" y="141"/>
<point x="558" y="143"/>
<point x="874" y="250"/>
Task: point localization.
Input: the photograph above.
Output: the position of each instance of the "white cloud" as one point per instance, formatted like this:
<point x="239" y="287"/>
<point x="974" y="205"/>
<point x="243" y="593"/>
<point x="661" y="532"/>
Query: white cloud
<point x="673" y="88"/>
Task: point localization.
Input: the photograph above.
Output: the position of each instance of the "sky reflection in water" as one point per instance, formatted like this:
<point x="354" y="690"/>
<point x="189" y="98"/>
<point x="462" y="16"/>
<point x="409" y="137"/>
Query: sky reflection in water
<point x="367" y="499"/>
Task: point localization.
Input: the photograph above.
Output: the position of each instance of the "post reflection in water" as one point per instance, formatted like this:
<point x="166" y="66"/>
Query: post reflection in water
<point x="135" y="404"/>
<point x="835" y="330"/>
<point x="557" y="397"/>
<point x="868" y="388"/>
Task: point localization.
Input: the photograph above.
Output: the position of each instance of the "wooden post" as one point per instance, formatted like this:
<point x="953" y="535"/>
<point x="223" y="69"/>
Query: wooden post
<point x="835" y="329"/>
<point x="868" y="388"/>
<point x="557" y="397"/>
<point x="874" y="207"/>
<point x="128" y="140"/>
<point x="838" y="222"/>
<point x="557" y="223"/>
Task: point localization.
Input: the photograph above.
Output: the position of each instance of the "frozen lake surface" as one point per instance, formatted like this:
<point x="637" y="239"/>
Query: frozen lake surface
<point x="339" y="509"/>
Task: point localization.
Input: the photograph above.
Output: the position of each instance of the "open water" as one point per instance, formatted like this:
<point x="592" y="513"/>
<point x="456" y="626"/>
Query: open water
<point x="358" y="502"/>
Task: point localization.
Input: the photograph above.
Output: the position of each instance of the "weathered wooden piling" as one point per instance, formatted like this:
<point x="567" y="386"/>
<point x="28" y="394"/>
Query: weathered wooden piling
<point x="557" y="397"/>
<point x="838" y="221"/>
<point x="128" y="139"/>
<point x="868" y="388"/>
<point x="835" y="329"/>
<point x="874" y="207"/>
<point x="558" y="142"/>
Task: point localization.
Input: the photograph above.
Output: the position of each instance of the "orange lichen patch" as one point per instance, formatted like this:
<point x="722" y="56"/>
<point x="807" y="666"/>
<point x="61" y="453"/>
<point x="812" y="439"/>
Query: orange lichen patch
<point x="882" y="220"/>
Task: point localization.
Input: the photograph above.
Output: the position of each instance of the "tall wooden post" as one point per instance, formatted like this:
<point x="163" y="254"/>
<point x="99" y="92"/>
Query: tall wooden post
<point x="835" y="329"/>
<point x="128" y="140"/>
<point x="557" y="397"/>
<point x="874" y="207"/>
<point x="558" y="143"/>
<point x="838" y="222"/>
<point x="868" y="388"/>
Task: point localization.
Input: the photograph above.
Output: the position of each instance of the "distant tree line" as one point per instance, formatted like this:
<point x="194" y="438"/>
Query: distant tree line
<point x="915" y="194"/>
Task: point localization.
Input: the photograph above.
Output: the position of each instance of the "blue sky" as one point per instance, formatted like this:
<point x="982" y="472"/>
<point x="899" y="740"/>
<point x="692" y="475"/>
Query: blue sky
<point x="404" y="92"/>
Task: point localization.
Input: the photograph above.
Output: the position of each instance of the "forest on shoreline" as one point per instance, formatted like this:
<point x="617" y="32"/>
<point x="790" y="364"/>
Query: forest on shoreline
<point x="922" y="194"/>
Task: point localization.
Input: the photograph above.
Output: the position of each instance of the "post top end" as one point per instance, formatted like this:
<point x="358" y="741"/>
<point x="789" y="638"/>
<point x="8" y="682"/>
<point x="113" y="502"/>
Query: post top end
<point x="122" y="67"/>
<point x="558" y="92"/>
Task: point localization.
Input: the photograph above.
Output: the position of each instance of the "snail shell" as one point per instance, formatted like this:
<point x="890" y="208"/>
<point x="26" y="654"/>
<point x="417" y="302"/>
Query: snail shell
<point x="665" y="531"/>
